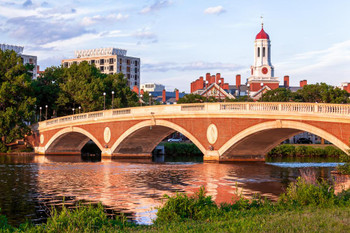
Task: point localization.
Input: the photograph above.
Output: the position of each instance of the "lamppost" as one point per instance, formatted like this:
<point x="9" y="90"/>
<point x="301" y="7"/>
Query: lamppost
<point x="141" y="100"/>
<point x="150" y="99"/>
<point x="104" y="100"/>
<point x="79" y="109"/>
<point x="112" y="99"/>
<point x="73" y="110"/>
<point x="46" y="112"/>
<point x="40" y="113"/>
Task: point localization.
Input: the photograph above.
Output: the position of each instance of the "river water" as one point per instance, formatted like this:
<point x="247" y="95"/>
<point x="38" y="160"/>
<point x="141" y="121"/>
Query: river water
<point x="31" y="185"/>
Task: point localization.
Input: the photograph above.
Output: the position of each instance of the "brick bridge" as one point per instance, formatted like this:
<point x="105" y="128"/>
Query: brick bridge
<point x="222" y="131"/>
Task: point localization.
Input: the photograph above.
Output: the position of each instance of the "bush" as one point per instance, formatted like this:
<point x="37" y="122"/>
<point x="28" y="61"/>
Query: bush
<point x="303" y="193"/>
<point x="345" y="168"/>
<point x="287" y="150"/>
<point x="181" y="207"/>
<point x="184" y="149"/>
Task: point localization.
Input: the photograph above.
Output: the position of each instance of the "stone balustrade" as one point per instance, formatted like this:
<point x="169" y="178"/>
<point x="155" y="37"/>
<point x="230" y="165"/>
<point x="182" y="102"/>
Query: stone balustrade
<point x="262" y="108"/>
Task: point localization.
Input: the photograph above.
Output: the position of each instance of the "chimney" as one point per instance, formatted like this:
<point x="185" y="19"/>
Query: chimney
<point x="286" y="81"/>
<point x="238" y="81"/>
<point x="207" y="77"/>
<point x="135" y="89"/>
<point x="177" y="95"/>
<point x="218" y="77"/>
<point x="303" y="83"/>
<point x="164" y="96"/>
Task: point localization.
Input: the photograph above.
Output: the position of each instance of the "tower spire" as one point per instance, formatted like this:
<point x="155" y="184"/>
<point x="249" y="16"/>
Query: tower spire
<point x="262" y="21"/>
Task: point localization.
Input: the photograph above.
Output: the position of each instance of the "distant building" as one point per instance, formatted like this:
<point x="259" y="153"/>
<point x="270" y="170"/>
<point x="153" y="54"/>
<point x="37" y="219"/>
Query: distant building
<point x="345" y="86"/>
<point x="109" y="61"/>
<point x="27" y="59"/>
<point x="151" y="87"/>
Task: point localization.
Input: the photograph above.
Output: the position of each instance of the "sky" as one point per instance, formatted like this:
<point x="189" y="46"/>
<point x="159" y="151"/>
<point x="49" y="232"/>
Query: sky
<point x="180" y="40"/>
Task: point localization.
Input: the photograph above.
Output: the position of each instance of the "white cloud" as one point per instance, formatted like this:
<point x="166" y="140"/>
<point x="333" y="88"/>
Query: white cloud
<point x="159" y="4"/>
<point x="88" y="21"/>
<point x="328" y="65"/>
<point x="216" y="10"/>
<point x="197" y="65"/>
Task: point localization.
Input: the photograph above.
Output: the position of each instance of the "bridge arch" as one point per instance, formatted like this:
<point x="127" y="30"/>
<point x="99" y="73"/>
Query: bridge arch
<point x="269" y="134"/>
<point x="156" y="131"/>
<point x="70" y="140"/>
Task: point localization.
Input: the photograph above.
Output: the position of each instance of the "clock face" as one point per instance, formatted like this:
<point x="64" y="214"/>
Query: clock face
<point x="264" y="70"/>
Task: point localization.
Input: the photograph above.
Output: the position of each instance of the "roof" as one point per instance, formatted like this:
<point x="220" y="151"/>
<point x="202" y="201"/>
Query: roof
<point x="262" y="34"/>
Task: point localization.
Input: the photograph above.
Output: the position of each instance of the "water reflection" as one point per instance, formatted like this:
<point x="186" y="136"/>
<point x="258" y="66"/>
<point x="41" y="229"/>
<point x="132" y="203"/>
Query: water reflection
<point x="134" y="187"/>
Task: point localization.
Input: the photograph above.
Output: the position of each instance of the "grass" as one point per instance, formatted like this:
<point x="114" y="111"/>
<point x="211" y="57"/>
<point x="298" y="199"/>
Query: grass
<point x="304" y="207"/>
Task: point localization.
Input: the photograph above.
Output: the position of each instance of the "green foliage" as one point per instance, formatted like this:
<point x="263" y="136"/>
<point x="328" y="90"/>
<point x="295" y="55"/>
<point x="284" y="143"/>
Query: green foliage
<point x="182" y="207"/>
<point x="303" y="193"/>
<point x="182" y="149"/>
<point x="192" y="98"/>
<point x="319" y="92"/>
<point x="277" y="95"/>
<point x="16" y="99"/>
<point x="345" y="168"/>
<point x="287" y="150"/>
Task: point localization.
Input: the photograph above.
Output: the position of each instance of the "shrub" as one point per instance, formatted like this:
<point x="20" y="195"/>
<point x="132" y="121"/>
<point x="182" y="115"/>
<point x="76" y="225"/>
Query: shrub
<point x="303" y="193"/>
<point x="345" y="168"/>
<point x="182" y="207"/>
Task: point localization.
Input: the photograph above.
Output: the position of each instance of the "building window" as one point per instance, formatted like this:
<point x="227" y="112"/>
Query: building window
<point x="128" y="75"/>
<point x="111" y="61"/>
<point x="135" y="77"/>
<point x="135" y="63"/>
<point x="102" y="61"/>
<point x="128" y="69"/>
<point x="258" y="52"/>
<point x="92" y="61"/>
<point x="135" y="83"/>
<point x="110" y="68"/>
<point x="263" y="51"/>
<point x="120" y="68"/>
<point x="65" y="64"/>
<point x="135" y="70"/>
<point x="128" y="62"/>
<point x="101" y="68"/>
<point x="120" y="60"/>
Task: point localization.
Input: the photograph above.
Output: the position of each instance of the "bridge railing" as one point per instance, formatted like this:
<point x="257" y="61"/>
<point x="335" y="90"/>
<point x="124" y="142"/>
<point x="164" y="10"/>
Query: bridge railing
<point x="262" y="108"/>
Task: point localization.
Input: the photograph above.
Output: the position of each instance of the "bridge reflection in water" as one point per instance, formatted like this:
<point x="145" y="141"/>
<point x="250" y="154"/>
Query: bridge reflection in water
<point x="138" y="186"/>
<point x="222" y="131"/>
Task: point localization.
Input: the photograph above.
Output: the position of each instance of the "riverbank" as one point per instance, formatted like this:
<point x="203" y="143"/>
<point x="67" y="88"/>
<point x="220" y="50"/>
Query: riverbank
<point x="288" y="150"/>
<point x="304" y="207"/>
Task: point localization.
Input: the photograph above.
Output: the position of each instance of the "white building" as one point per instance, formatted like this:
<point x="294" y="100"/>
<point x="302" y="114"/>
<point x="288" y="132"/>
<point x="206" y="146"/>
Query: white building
<point x="152" y="87"/>
<point x="27" y="59"/>
<point x="109" y="61"/>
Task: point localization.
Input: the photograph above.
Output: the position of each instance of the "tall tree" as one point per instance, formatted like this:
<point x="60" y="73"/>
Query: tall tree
<point x="16" y="98"/>
<point x="47" y="88"/>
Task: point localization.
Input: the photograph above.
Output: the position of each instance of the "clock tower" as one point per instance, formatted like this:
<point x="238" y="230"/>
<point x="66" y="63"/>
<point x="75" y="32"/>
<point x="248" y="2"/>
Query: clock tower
<point x="262" y="72"/>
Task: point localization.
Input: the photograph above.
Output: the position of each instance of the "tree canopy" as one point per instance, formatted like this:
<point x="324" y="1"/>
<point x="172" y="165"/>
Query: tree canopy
<point x="83" y="85"/>
<point x="16" y="98"/>
<point x="312" y="93"/>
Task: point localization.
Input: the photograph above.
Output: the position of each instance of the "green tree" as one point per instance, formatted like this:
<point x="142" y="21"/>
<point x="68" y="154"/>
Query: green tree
<point x="47" y="88"/>
<point x="16" y="98"/>
<point x="321" y="93"/>
<point x="192" y="98"/>
<point x="277" y="95"/>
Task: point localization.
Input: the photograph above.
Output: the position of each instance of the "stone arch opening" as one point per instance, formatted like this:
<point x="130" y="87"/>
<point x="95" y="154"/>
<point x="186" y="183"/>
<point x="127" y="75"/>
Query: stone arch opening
<point x="142" y="138"/>
<point x="258" y="140"/>
<point x="71" y="141"/>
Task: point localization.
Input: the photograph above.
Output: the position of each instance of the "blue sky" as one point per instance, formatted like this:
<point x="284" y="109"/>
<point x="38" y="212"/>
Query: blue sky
<point x="180" y="40"/>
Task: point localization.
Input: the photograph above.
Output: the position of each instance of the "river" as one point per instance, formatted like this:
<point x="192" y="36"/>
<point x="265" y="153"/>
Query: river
<point x="31" y="185"/>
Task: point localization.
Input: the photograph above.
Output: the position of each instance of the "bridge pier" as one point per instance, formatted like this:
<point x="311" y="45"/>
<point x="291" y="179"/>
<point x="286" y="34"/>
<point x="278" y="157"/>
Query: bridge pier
<point x="211" y="156"/>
